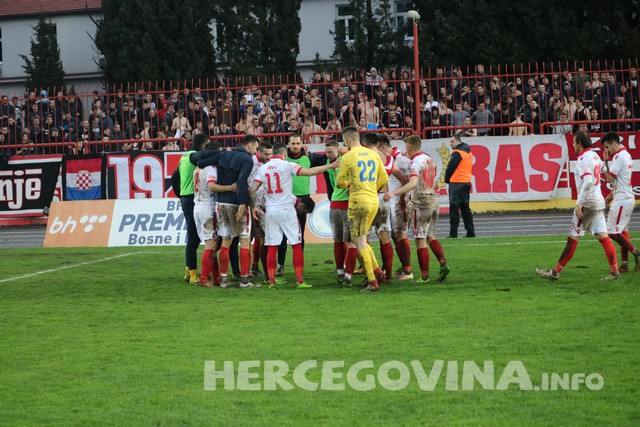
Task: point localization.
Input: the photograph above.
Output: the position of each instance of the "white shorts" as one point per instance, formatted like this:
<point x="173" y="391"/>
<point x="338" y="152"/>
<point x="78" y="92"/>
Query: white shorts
<point x="399" y="220"/>
<point x="205" y="219"/>
<point x="620" y="215"/>
<point x="282" y="220"/>
<point x="227" y="224"/>
<point x="423" y="222"/>
<point x="382" y="220"/>
<point x="592" y="221"/>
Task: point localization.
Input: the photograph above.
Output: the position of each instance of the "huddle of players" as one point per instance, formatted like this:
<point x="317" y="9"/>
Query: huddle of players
<point x="222" y="208"/>
<point x="375" y="176"/>
<point x="379" y="190"/>
<point x="370" y="182"/>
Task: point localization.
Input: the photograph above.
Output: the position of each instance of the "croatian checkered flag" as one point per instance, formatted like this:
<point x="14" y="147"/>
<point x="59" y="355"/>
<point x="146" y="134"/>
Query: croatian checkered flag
<point x="83" y="177"/>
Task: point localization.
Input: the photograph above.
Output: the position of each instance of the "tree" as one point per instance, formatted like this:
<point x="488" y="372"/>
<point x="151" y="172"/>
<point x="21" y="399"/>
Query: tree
<point x="364" y="38"/>
<point x="503" y="32"/>
<point x="144" y="41"/>
<point x="258" y="38"/>
<point x="495" y="33"/>
<point x="44" y="69"/>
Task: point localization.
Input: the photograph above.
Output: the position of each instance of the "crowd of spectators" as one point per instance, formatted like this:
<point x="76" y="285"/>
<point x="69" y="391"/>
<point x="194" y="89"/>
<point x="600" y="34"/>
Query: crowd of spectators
<point x="475" y="103"/>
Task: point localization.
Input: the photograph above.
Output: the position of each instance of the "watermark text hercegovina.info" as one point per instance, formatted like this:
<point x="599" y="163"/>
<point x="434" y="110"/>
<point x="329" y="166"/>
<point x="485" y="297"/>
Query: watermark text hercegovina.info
<point x="394" y="375"/>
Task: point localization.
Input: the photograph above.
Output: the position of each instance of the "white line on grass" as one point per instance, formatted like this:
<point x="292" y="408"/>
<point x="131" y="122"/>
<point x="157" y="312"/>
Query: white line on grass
<point x="53" y="270"/>
<point x="522" y="243"/>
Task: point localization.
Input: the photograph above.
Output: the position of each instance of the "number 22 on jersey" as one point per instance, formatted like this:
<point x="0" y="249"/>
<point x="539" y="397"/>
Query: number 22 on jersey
<point x="367" y="170"/>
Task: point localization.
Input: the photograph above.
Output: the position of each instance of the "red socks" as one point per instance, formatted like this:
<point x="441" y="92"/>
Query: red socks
<point x="245" y="261"/>
<point x="436" y="247"/>
<point x="610" y="250"/>
<point x="272" y="254"/>
<point x="339" y="254"/>
<point x="403" y="248"/>
<point x="386" y="250"/>
<point x="625" y="244"/>
<point x="215" y="269"/>
<point x="255" y="253"/>
<point x="224" y="260"/>
<point x="567" y="254"/>
<point x="298" y="262"/>
<point x="350" y="261"/>
<point x="207" y="266"/>
<point x="423" y="260"/>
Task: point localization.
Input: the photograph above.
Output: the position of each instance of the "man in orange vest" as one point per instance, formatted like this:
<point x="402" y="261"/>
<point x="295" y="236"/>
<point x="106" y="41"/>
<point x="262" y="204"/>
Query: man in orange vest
<point x="458" y="176"/>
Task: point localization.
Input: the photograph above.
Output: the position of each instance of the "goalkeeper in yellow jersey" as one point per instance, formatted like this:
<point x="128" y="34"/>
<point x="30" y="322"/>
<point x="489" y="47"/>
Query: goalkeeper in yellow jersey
<point x="363" y="172"/>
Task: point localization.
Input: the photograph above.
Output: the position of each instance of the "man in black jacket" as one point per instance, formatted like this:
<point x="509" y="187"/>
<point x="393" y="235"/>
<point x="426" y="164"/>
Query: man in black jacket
<point x="233" y="208"/>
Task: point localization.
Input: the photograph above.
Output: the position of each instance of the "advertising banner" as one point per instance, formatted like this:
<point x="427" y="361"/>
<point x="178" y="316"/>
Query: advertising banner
<point x="140" y="222"/>
<point x="27" y="185"/>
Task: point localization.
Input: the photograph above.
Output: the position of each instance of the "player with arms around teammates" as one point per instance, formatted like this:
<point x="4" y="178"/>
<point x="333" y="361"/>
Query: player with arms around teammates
<point x="280" y="204"/>
<point x="589" y="211"/>
<point x="363" y="172"/>
<point x="204" y="190"/>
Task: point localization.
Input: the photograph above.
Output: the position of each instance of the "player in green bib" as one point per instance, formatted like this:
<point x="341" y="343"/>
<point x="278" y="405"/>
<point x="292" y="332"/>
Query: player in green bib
<point x="344" y="256"/>
<point x="185" y="169"/>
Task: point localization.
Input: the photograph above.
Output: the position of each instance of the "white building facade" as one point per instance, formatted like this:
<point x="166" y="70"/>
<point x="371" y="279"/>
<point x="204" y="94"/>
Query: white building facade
<point x="75" y="29"/>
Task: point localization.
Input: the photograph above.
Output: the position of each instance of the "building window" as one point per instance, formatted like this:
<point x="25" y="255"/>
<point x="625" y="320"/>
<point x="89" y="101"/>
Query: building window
<point x="346" y="23"/>
<point x="402" y="8"/>
<point x="53" y="30"/>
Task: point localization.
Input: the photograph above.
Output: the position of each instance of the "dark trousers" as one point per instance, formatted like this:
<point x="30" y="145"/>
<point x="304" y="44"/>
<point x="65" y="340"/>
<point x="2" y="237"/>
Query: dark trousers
<point x="459" y="194"/>
<point x="282" y="249"/>
<point x="234" y="258"/>
<point x="193" y="241"/>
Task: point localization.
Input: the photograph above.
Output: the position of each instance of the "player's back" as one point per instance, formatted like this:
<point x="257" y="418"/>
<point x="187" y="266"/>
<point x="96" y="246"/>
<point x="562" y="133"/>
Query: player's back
<point x="363" y="167"/>
<point x="589" y="163"/>
<point x="277" y="177"/>
<point x="423" y="166"/>
<point x="203" y="197"/>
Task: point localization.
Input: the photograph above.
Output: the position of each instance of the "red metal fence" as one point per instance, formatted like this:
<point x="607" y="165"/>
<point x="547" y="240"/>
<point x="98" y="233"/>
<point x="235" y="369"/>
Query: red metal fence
<point x="497" y="100"/>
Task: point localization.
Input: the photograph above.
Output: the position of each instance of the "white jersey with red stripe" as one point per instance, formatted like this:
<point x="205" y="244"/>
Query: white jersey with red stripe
<point x="589" y="164"/>
<point x="204" y="198"/>
<point x="402" y="163"/>
<point x="277" y="178"/>
<point x="621" y="167"/>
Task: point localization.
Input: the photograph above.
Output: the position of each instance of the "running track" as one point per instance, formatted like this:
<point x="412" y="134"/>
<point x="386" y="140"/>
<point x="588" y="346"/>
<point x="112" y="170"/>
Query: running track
<point x="487" y="225"/>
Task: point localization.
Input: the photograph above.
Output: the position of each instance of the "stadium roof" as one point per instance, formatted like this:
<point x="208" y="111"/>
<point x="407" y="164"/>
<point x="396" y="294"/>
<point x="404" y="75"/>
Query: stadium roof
<point x="11" y="8"/>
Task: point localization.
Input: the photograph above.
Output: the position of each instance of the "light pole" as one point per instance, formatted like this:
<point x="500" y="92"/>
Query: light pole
<point x="415" y="17"/>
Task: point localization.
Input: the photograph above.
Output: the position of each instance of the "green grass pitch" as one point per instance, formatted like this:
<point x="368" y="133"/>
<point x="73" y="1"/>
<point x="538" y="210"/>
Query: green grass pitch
<point x="114" y="337"/>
